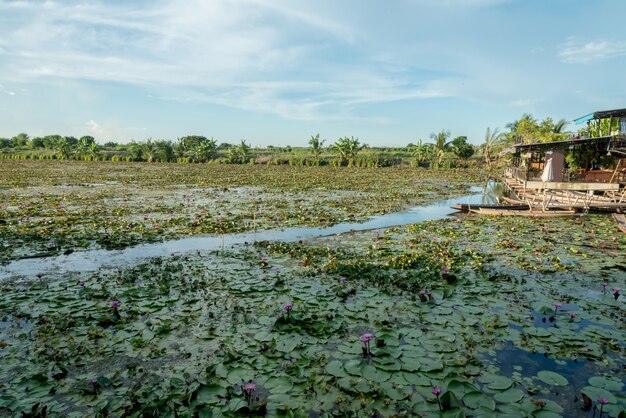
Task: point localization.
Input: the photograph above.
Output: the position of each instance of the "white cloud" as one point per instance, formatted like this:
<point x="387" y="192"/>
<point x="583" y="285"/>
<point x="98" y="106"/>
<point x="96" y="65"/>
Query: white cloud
<point x="5" y="91"/>
<point x="523" y="103"/>
<point x="576" y="52"/>
<point x="260" y="55"/>
<point x="111" y="131"/>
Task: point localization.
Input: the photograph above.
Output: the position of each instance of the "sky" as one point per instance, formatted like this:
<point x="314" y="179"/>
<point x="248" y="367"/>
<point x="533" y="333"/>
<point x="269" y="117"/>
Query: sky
<point x="275" y="72"/>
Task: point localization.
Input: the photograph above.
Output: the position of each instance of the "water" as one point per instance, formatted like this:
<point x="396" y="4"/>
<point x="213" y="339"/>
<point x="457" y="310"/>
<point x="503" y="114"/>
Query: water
<point x="92" y="260"/>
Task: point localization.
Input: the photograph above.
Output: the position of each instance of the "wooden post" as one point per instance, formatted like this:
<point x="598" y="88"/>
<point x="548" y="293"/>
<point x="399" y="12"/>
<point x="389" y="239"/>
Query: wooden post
<point x="619" y="162"/>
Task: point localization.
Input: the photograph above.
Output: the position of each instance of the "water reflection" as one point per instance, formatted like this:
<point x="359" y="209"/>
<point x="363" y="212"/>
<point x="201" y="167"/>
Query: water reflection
<point x="92" y="260"/>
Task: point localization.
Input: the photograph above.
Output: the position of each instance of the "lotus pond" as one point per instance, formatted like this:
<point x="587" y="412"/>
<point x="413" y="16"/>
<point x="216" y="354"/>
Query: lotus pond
<point x="465" y="316"/>
<point x="55" y="207"/>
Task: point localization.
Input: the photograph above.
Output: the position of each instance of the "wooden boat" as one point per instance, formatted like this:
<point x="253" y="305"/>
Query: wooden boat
<point x="464" y="207"/>
<point x="621" y="221"/>
<point x="512" y="201"/>
<point x="526" y="213"/>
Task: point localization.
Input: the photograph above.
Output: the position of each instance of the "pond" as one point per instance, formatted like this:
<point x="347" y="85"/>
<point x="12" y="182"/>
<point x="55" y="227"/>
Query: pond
<point x="409" y="314"/>
<point x="92" y="260"/>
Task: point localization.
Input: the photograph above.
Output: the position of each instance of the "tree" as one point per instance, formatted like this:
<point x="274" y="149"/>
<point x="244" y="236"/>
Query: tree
<point x="461" y="148"/>
<point x="136" y="150"/>
<point x="19" y="140"/>
<point x="239" y="154"/>
<point x="529" y="130"/>
<point x="347" y="149"/>
<point x="164" y="150"/>
<point x="423" y="152"/>
<point x="493" y="141"/>
<point x="316" y="147"/>
<point x="149" y="151"/>
<point x="64" y="147"/>
<point x="50" y="141"/>
<point x="440" y="140"/>
<point x="204" y="151"/>
<point x="36" y="142"/>
<point x="87" y="140"/>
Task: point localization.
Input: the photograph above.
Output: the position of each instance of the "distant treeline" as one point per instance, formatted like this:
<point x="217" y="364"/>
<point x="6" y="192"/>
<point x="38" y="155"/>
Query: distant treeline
<point x="346" y="151"/>
<point x="440" y="152"/>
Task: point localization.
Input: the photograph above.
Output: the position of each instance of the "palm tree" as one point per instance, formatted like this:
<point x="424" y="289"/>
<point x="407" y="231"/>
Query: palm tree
<point x="316" y="147"/>
<point x="150" y="151"/>
<point x="492" y="140"/>
<point x="136" y="151"/>
<point x="440" y="140"/>
<point x="559" y="126"/>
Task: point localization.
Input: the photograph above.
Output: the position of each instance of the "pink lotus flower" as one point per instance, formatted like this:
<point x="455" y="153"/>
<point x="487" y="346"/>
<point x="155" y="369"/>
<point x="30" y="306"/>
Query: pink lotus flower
<point x="287" y="307"/>
<point x="572" y="315"/>
<point x="436" y="391"/>
<point x="115" y="304"/>
<point x="249" y="387"/>
<point x="603" y="401"/>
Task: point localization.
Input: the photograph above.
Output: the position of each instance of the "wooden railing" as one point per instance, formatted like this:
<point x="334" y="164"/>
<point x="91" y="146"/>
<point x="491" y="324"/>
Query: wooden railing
<point x="516" y="173"/>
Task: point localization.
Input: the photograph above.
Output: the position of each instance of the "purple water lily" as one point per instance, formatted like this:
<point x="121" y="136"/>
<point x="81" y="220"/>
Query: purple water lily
<point x="365" y="339"/>
<point x="287" y="307"/>
<point x="602" y="402"/>
<point x="248" y="389"/>
<point x="437" y="391"/>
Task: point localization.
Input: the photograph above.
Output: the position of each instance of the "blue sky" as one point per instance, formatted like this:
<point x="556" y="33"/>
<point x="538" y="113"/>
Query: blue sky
<point x="275" y="72"/>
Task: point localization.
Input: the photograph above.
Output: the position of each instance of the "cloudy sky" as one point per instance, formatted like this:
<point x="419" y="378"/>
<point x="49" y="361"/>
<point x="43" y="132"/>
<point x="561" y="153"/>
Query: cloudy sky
<point x="275" y="72"/>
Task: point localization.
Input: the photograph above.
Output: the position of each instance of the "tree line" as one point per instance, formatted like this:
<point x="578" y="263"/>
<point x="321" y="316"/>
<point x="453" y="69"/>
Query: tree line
<point x="441" y="150"/>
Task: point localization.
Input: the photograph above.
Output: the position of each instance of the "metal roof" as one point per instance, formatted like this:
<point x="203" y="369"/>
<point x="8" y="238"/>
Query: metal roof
<point x="564" y="144"/>
<point x="602" y="114"/>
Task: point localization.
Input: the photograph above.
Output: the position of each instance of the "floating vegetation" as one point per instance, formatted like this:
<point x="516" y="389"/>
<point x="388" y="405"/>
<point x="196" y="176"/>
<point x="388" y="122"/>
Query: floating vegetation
<point x="54" y="207"/>
<point x="461" y="317"/>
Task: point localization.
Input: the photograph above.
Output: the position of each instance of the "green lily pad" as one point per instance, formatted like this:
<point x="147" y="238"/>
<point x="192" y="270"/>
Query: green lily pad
<point x="608" y="383"/>
<point x="511" y="395"/>
<point x="210" y="393"/>
<point x="335" y="368"/>
<point x="476" y="400"/>
<point x="595" y="393"/>
<point x="496" y="382"/>
<point x="552" y="378"/>
<point x="279" y="384"/>
<point x="373" y="374"/>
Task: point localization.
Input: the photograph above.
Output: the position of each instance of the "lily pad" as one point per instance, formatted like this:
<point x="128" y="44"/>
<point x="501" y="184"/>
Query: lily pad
<point x="335" y="368"/>
<point x="511" y="395"/>
<point x="552" y="378"/>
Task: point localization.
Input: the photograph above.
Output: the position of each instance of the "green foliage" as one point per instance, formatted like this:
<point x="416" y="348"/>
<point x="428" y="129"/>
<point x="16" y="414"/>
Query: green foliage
<point x="530" y="130"/>
<point x="461" y="148"/>
<point x="347" y="149"/>
<point x="239" y="154"/>
<point x="317" y="146"/>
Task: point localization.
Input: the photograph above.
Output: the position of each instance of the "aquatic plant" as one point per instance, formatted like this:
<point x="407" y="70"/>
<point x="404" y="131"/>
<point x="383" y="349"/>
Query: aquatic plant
<point x="365" y="339"/>
<point x="437" y="391"/>
<point x="287" y="307"/>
